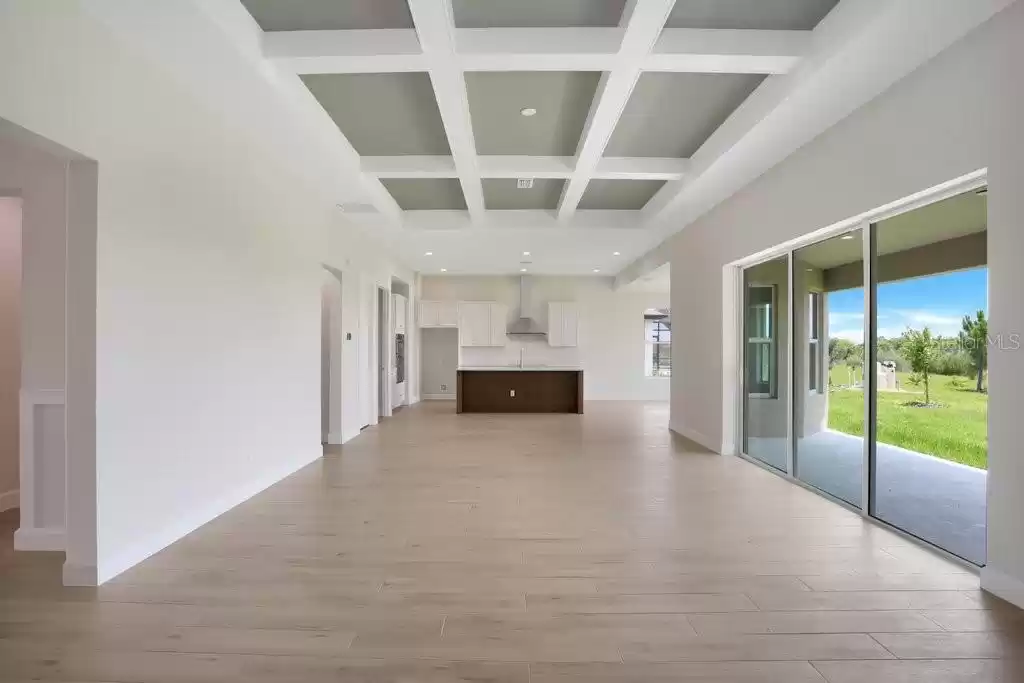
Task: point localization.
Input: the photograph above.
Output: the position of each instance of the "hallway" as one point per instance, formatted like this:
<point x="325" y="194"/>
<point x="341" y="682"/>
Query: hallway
<point x="525" y="549"/>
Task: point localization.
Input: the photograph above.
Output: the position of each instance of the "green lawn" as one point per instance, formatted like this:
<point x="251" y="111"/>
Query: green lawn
<point x="957" y="430"/>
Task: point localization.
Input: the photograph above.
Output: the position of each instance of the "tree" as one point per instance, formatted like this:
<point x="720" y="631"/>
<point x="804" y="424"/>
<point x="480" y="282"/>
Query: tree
<point x="838" y="352"/>
<point x="974" y="339"/>
<point x="920" y="350"/>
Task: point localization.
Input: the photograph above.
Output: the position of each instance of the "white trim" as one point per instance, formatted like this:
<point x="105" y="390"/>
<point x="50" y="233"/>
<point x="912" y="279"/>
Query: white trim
<point x="524" y="166"/>
<point x="1003" y="585"/>
<point x="576" y="48"/>
<point x="439" y="397"/>
<point x="189" y="521"/>
<point x="695" y="436"/>
<point x="40" y="538"/>
<point x="436" y="32"/>
<point x="80" y="575"/>
<point x="643" y="23"/>
<point x="28" y="400"/>
<point x="965" y="183"/>
<point x="10" y="499"/>
<point x="335" y="439"/>
<point x="728" y="51"/>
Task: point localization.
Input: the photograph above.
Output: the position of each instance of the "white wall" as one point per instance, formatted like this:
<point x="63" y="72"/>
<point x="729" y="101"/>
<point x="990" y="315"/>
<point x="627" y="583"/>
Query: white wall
<point x="611" y="346"/>
<point x="959" y="113"/>
<point x="10" y="346"/>
<point x="209" y="248"/>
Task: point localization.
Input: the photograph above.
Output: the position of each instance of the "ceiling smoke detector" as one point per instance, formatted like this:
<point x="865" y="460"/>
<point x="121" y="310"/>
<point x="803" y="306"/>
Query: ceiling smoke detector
<point x="524" y="183"/>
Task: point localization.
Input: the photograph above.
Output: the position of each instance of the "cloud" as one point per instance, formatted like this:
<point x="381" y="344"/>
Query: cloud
<point x="854" y="335"/>
<point x="893" y="323"/>
<point x="944" y="323"/>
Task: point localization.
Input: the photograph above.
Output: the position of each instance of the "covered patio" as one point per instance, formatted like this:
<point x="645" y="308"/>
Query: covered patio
<point x="937" y="500"/>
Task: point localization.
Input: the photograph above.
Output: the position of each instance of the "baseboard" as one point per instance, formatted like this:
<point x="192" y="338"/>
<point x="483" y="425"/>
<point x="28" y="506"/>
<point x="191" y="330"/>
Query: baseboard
<point x="40" y="538"/>
<point x="438" y="397"/>
<point x="1003" y="585"/>
<point x="695" y="436"/>
<point x="80" y="575"/>
<point x="10" y="500"/>
<point x="193" y="519"/>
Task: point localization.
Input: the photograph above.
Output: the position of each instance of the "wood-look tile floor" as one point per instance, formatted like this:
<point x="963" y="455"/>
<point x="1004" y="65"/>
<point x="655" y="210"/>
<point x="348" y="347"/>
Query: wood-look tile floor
<point x="521" y="549"/>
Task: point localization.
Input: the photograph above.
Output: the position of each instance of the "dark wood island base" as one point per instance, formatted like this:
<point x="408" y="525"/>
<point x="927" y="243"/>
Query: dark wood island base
<point x="519" y="391"/>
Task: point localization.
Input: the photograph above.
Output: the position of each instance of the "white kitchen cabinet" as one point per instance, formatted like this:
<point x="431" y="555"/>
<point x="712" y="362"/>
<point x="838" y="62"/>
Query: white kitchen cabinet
<point x="398" y="313"/>
<point x="499" y="324"/>
<point x="439" y="314"/>
<point x="482" y="323"/>
<point x="563" y="323"/>
<point x="447" y="314"/>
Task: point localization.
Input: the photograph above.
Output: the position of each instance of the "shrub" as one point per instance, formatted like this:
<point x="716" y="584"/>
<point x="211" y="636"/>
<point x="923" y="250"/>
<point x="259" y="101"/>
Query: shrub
<point x="958" y="383"/>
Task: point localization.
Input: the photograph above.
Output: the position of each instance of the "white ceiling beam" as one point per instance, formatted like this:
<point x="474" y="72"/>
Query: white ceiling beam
<point x="515" y="166"/>
<point x="728" y="51"/>
<point x="368" y="51"/>
<point x="523" y="220"/>
<point x="435" y="27"/>
<point x="536" y="49"/>
<point x="643" y="21"/>
<point x="641" y="168"/>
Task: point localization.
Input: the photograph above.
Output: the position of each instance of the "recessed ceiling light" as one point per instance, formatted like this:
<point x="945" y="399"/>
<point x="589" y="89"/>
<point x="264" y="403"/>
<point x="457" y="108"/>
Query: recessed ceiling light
<point x="522" y="270"/>
<point x="429" y="253"/>
<point x="527" y="111"/>
<point x="444" y="270"/>
<point x="526" y="253"/>
<point x="846" y="237"/>
<point x="615" y="253"/>
<point x="597" y="270"/>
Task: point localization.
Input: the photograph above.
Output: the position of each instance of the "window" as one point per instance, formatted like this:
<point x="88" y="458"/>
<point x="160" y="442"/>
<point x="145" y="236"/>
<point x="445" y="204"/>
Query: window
<point x="761" y="340"/>
<point x="658" y="338"/>
<point x="814" y="349"/>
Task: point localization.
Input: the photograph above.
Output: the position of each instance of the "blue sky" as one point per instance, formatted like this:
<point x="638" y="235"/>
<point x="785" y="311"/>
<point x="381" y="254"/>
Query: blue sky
<point x="938" y="301"/>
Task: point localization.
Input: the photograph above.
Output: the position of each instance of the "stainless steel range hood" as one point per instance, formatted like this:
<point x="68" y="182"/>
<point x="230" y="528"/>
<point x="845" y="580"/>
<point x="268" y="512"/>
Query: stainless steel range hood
<point x="525" y="326"/>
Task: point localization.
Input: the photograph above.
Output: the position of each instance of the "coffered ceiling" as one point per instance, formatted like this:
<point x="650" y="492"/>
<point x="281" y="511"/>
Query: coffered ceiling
<point x="600" y="103"/>
<point x="624" y="114"/>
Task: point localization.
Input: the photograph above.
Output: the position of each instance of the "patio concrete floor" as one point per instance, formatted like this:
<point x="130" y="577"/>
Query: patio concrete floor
<point x="939" y="501"/>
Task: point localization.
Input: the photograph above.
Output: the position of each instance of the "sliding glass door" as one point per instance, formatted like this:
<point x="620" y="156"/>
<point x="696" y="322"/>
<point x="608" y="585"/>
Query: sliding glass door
<point x="864" y="369"/>
<point x="765" y="390"/>
<point x="931" y="340"/>
<point x="828" y="412"/>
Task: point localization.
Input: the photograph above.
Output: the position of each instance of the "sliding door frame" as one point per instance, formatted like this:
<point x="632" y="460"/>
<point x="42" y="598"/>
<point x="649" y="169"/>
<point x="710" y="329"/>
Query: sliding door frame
<point x="867" y="223"/>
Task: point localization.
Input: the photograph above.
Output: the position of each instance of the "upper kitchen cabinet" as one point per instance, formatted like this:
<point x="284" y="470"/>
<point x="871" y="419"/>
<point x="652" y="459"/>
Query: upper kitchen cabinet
<point x="399" y="312"/>
<point x="482" y="323"/>
<point x="563" y="323"/>
<point x="439" y="314"/>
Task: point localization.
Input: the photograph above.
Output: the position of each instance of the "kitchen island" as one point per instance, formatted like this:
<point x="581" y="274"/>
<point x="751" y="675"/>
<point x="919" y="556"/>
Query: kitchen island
<point x="514" y="389"/>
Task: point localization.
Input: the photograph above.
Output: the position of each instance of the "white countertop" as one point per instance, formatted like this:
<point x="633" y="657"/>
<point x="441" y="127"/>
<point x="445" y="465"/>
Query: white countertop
<point x="516" y="368"/>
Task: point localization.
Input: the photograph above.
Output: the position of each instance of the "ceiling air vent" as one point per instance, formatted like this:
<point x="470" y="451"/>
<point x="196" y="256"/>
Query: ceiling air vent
<point x="524" y="183"/>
